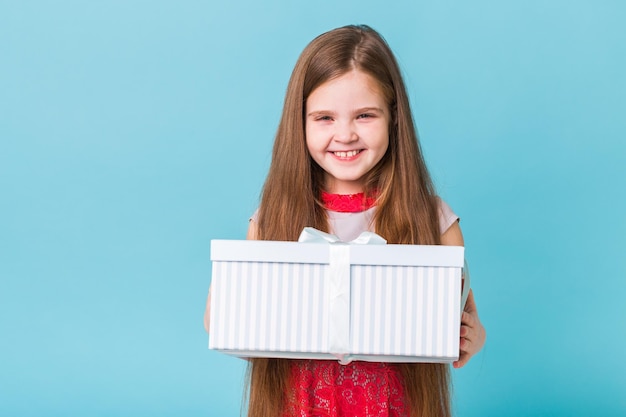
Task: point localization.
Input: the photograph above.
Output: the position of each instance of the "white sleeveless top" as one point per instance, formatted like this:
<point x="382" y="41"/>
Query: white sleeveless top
<point x="348" y="226"/>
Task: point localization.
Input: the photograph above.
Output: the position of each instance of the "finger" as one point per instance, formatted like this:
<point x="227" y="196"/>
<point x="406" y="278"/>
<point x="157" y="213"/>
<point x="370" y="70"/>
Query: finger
<point x="468" y="319"/>
<point x="465" y="345"/>
<point x="465" y="330"/>
<point x="472" y="341"/>
<point x="462" y="344"/>
<point x="463" y="359"/>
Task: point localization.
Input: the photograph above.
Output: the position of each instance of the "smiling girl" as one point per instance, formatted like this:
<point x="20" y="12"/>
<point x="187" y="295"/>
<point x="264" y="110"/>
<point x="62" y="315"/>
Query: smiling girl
<point x="346" y="159"/>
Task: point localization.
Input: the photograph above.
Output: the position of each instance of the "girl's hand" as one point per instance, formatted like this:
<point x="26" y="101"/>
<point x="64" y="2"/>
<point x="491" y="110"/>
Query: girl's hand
<point x="473" y="333"/>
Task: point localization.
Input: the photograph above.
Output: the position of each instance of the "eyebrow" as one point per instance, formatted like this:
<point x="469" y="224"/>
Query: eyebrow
<point x="357" y="111"/>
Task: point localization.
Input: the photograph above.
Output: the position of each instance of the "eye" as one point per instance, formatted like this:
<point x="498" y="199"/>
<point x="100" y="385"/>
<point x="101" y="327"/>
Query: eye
<point x="324" y="118"/>
<point x="365" y="116"/>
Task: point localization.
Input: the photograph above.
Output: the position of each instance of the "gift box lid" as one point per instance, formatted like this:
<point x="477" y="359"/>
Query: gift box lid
<point x="318" y="253"/>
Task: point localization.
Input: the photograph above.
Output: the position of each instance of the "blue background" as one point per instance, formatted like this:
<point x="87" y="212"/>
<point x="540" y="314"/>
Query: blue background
<point x="133" y="132"/>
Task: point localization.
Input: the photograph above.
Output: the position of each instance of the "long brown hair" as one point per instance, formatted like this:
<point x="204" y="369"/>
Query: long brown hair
<point x="406" y="207"/>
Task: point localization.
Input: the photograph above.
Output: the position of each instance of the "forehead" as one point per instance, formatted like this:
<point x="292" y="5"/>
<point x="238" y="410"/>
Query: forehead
<point x="353" y="86"/>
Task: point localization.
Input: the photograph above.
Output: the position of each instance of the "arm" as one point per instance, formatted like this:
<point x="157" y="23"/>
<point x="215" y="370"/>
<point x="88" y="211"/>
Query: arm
<point x="473" y="333"/>
<point x="252" y="234"/>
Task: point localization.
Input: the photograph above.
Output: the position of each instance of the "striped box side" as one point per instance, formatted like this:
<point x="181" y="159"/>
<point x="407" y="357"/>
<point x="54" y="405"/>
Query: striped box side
<point x="269" y="307"/>
<point x="405" y="311"/>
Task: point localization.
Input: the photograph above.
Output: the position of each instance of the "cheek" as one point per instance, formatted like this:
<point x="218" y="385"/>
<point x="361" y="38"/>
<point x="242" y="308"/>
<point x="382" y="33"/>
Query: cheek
<point x="383" y="138"/>
<point x="383" y="145"/>
<point x="312" y="146"/>
<point x="314" y="139"/>
<point x="384" y="150"/>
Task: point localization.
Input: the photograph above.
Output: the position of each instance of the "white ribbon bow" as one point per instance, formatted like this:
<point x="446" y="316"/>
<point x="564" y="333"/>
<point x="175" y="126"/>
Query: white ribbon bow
<point x="312" y="235"/>
<point x="338" y="289"/>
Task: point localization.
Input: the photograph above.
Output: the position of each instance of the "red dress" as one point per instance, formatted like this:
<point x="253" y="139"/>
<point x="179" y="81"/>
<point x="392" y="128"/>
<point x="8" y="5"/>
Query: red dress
<point x="326" y="388"/>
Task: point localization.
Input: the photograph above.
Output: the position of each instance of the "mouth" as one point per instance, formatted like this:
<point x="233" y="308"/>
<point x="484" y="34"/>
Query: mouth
<point x="347" y="154"/>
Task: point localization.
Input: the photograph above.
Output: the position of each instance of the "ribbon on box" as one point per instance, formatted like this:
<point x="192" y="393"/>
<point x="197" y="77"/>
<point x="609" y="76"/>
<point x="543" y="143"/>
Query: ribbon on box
<point x="313" y="235"/>
<point x="339" y="285"/>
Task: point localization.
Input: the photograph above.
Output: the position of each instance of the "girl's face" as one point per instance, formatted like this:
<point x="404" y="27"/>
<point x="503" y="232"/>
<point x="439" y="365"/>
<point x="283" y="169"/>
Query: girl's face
<point x="347" y="130"/>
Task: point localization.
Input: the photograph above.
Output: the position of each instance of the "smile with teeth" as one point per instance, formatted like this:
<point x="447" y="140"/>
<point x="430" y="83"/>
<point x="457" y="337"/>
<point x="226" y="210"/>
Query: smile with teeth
<point x="348" y="154"/>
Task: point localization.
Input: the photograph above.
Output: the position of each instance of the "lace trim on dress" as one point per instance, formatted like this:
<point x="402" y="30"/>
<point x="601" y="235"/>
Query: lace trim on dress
<point x="348" y="203"/>
<point x="326" y="388"/>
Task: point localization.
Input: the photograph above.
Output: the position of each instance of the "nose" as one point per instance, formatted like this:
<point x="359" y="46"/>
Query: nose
<point x="345" y="132"/>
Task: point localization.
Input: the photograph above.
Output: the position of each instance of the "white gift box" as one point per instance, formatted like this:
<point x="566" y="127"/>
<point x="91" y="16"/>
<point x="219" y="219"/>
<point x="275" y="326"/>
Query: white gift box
<point x="383" y="303"/>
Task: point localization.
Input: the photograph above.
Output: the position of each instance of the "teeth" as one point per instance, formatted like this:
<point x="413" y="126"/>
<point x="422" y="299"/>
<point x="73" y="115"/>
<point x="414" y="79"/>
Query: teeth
<point x="348" y="154"/>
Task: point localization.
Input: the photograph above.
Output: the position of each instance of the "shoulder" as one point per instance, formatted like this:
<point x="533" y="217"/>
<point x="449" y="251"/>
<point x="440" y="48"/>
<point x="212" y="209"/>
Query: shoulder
<point x="447" y="217"/>
<point x="255" y="216"/>
<point x="451" y="234"/>
<point x="253" y="228"/>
